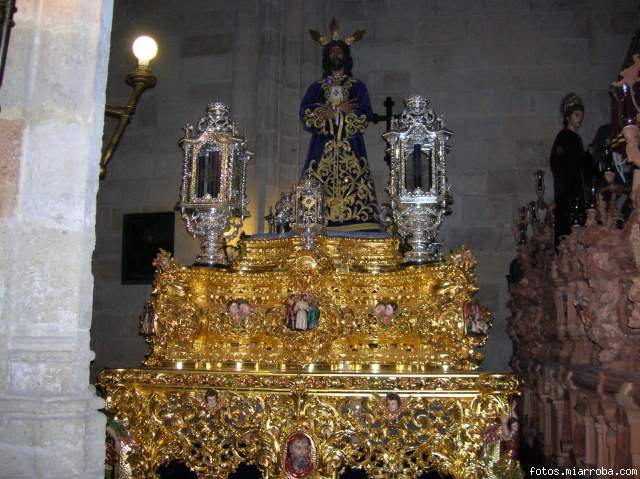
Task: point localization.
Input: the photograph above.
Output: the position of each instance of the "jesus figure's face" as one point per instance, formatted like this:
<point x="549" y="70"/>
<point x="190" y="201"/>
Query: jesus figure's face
<point x="299" y="452"/>
<point x="336" y="55"/>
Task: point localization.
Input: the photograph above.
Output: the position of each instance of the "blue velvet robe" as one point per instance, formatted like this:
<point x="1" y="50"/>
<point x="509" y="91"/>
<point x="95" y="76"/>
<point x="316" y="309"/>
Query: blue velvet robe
<point x="337" y="156"/>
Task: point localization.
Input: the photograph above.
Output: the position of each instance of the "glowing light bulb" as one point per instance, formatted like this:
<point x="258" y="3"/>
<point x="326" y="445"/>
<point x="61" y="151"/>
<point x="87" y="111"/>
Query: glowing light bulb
<point x="145" y="49"/>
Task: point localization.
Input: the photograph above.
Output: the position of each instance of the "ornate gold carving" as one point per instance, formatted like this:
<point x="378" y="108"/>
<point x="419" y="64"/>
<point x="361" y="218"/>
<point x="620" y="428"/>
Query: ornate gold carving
<point x="232" y="382"/>
<point x="342" y="254"/>
<point x="195" y="324"/>
<point x="440" y="424"/>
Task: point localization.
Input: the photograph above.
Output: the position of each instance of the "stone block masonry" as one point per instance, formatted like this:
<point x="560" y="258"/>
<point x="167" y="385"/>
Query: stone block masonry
<point x="50" y="136"/>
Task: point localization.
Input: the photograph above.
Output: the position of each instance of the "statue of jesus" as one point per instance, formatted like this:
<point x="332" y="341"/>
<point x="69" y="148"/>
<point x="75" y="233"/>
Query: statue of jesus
<point x="336" y="110"/>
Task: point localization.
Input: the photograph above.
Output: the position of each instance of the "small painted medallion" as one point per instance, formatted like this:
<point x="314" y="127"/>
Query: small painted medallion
<point x="301" y="312"/>
<point x="299" y="459"/>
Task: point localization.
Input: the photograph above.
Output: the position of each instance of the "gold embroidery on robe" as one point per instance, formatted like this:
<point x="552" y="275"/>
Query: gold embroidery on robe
<point x="348" y="197"/>
<point x="311" y="120"/>
<point x="355" y="124"/>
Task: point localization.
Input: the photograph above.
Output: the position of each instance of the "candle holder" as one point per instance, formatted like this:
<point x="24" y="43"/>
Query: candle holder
<point x="283" y="213"/>
<point x="309" y="219"/>
<point x="213" y="193"/>
<point x="418" y="189"/>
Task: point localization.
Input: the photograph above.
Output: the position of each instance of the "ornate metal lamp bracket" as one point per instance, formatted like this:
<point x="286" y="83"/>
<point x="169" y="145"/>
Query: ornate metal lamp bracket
<point x="140" y="80"/>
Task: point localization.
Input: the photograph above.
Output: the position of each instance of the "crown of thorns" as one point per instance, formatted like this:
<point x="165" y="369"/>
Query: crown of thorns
<point x="334" y="35"/>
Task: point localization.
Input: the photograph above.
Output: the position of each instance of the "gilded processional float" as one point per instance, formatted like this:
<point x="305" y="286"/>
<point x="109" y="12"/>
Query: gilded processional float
<point x="311" y="351"/>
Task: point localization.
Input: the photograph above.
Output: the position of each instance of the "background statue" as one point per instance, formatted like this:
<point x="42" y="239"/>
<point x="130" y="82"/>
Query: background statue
<point x="571" y="167"/>
<point x="625" y="133"/>
<point x="336" y="110"/>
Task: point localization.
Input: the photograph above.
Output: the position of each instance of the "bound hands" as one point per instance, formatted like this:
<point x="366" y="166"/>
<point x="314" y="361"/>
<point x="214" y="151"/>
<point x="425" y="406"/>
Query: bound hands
<point x="347" y="106"/>
<point x="324" y="112"/>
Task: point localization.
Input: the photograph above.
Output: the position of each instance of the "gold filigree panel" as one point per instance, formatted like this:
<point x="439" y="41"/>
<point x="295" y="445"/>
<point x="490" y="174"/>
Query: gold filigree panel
<point x="197" y="322"/>
<point x="391" y="426"/>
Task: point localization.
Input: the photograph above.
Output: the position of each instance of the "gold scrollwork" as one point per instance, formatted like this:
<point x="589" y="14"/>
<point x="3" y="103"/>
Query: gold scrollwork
<point x="194" y="323"/>
<point x="345" y="425"/>
<point x="231" y="382"/>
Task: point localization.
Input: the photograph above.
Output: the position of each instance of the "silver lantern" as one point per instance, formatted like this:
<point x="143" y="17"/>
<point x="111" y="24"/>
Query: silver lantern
<point x="213" y="198"/>
<point x="309" y="218"/>
<point x="418" y="189"/>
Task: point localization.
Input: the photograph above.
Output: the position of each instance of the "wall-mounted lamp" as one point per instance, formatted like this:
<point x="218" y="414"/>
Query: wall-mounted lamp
<point x="145" y="49"/>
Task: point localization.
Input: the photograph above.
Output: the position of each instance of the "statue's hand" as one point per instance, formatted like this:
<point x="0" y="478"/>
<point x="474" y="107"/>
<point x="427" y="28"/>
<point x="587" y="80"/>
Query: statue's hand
<point x="324" y="112"/>
<point x="347" y="106"/>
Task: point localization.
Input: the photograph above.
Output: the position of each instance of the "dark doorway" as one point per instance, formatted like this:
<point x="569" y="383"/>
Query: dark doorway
<point x="360" y="474"/>
<point x="354" y="474"/>
<point x="246" y="471"/>
<point x="176" y="470"/>
<point x="434" y="475"/>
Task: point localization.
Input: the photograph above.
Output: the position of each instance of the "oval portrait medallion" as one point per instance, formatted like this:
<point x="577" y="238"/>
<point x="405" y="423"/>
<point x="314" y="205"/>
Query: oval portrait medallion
<point x="299" y="457"/>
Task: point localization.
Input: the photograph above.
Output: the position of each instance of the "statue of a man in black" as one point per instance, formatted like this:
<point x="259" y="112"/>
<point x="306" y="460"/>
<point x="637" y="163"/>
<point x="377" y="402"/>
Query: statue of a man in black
<point x="572" y="168"/>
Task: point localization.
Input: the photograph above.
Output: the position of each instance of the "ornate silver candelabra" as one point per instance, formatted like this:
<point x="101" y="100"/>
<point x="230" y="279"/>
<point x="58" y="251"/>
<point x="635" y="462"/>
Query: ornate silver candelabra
<point x="279" y="218"/>
<point x="309" y="219"/>
<point x="418" y="186"/>
<point x="213" y="198"/>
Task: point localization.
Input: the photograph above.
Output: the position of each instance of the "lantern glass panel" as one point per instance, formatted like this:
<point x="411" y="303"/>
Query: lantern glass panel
<point x="418" y="168"/>
<point x="209" y="171"/>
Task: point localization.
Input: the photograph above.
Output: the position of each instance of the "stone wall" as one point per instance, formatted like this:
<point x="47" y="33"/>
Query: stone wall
<point x="50" y="134"/>
<point x="496" y="69"/>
